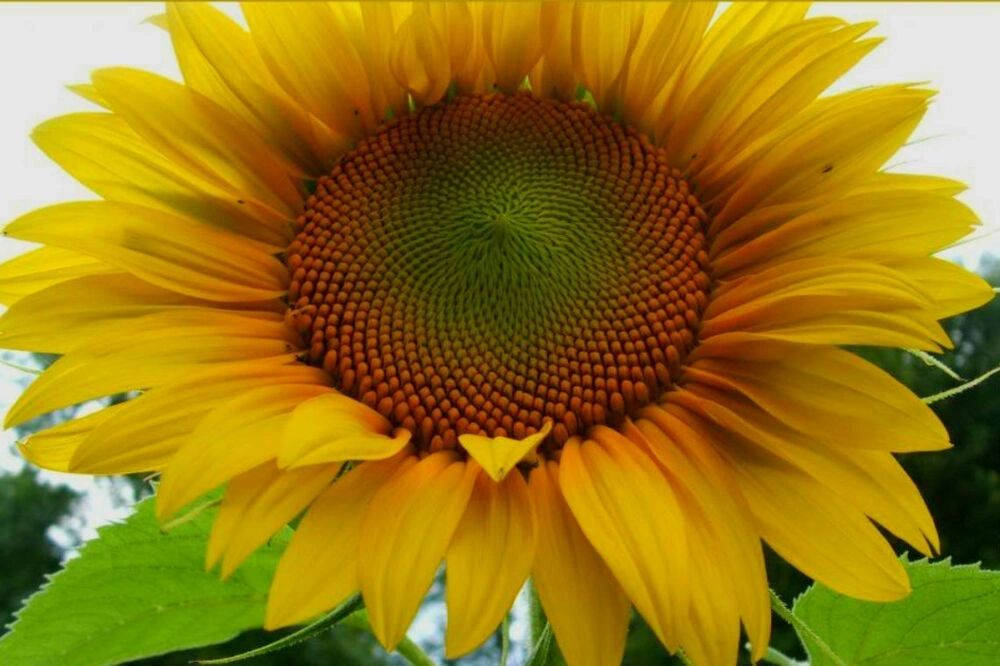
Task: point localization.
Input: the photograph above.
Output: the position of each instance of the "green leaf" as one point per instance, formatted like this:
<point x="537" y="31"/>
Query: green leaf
<point x="137" y="591"/>
<point x="951" y="617"/>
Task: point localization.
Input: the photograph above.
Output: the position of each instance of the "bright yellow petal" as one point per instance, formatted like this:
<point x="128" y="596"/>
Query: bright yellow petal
<point x="218" y="59"/>
<point x="951" y="288"/>
<point x="498" y="456"/>
<point x="310" y="51"/>
<point x="54" y="448"/>
<point x="515" y="34"/>
<point x="419" y="59"/>
<point x="101" y="151"/>
<point x="827" y="300"/>
<point x="585" y="605"/>
<point x="757" y="89"/>
<point x="554" y="75"/>
<point x="671" y="34"/>
<point x="169" y="251"/>
<point x="630" y="514"/>
<point x="876" y="226"/>
<point x="831" y="147"/>
<point x="871" y="482"/>
<point x="264" y="508"/>
<point x="56" y="319"/>
<point x="497" y="535"/>
<point x="148" y="352"/>
<point x="604" y="36"/>
<point x="816" y="531"/>
<point x="333" y="427"/>
<point x="319" y="569"/>
<point x="717" y="514"/>
<point x="832" y="395"/>
<point x="201" y="136"/>
<point x="235" y="437"/>
<point x="148" y="430"/>
<point x="38" y="269"/>
<point x="405" y="535"/>
<point x="742" y="24"/>
<point x="456" y="23"/>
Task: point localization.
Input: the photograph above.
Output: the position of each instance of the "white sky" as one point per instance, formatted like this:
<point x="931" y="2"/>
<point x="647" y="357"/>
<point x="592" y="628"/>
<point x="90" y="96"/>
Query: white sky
<point x="44" y="47"/>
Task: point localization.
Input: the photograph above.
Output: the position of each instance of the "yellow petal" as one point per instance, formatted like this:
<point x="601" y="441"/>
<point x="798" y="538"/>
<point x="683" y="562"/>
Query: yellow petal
<point x="832" y="146"/>
<point x="35" y="270"/>
<point x="874" y="226"/>
<point x="218" y="59"/>
<point x="419" y="58"/>
<point x="671" y="34"/>
<point x="319" y="569"/>
<point x="265" y="507"/>
<point x="951" y="288"/>
<point x="148" y="430"/>
<point x="832" y="395"/>
<point x="54" y="448"/>
<point x="456" y="24"/>
<point x="149" y="352"/>
<point x="201" y="136"/>
<point x="235" y="437"/>
<point x="488" y="560"/>
<point x="816" y="531"/>
<point x="333" y="427"/>
<point x="871" y="482"/>
<point x="630" y="514"/>
<point x="169" y="251"/>
<point x="555" y="76"/>
<point x="827" y="300"/>
<point x="756" y="89"/>
<point x="717" y="514"/>
<point x="56" y="319"/>
<point x="88" y="92"/>
<point x="404" y="536"/>
<point x="604" y="36"/>
<point x="585" y="605"/>
<point x="309" y="50"/>
<point x="515" y="34"/>
<point x="499" y="455"/>
<point x="101" y="151"/>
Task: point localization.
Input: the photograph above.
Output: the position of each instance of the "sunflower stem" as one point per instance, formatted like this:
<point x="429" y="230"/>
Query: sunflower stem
<point x="505" y="640"/>
<point x="961" y="388"/>
<point x="803" y="629"/>
<point x="536" y="614"/>
<point x="778" y="658"/>
<point x="407" y="649"/>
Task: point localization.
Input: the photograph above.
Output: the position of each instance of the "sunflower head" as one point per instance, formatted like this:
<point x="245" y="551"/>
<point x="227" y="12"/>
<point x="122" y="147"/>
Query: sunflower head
<point x="555" y="290"/>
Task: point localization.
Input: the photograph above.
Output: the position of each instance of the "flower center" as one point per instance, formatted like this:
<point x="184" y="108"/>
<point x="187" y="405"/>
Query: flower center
<point x="484" y="265"/>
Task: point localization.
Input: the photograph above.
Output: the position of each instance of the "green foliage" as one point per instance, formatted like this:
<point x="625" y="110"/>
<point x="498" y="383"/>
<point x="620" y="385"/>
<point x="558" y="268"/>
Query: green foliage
<point x="137" y="591"/>
<point x="951" y="617"/>
<point x="27" y="510"/>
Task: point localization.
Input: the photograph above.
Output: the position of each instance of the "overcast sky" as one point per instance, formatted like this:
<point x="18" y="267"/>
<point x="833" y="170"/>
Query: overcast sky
<point x="954" y="47"/>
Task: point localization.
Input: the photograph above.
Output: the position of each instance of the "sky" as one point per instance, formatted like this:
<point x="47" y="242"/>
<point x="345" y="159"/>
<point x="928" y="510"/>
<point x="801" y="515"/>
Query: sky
<point x="44" y="47"/>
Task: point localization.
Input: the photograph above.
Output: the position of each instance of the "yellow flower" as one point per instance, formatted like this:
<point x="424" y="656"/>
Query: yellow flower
<point x="565" y="285"/>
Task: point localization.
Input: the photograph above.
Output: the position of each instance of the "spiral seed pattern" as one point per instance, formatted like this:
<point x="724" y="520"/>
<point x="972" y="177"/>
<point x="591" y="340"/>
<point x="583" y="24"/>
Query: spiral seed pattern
<point x="487" y="264"/>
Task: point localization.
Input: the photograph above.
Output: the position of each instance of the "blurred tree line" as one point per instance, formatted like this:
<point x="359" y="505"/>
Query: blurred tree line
<point x="961" y="486"/>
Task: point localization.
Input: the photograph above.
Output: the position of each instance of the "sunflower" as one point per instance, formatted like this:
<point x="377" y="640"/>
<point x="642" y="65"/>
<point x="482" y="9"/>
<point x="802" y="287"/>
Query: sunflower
<point x="540" y="290"/>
